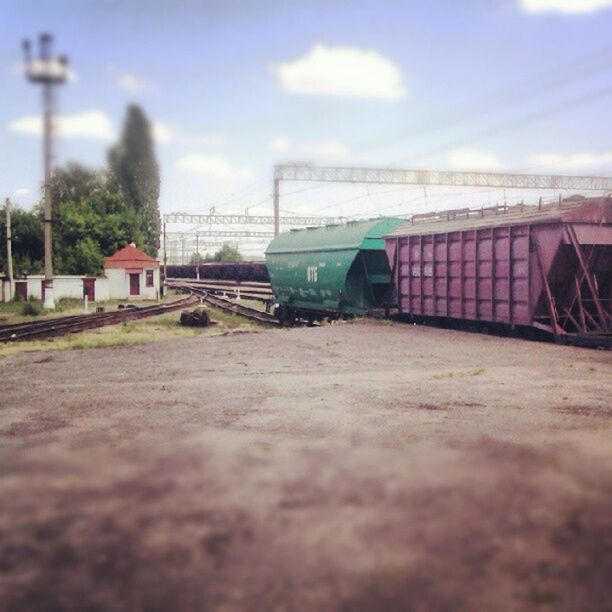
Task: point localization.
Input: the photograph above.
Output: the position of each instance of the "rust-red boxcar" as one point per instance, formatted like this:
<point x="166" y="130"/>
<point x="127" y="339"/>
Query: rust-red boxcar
<point x="547" y="267"/>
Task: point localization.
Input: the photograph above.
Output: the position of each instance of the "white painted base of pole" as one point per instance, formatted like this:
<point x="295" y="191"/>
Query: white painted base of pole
<point x="49" y="303"/>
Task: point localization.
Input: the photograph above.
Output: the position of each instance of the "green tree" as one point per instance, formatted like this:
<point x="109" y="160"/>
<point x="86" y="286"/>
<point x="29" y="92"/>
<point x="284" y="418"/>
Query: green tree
<point x="197" y="258"/>
<point x="91" y="220"/>
<point x="135" y="172"/>
<point x="75" y="182"/>
<point x="90" y="229"/>
<point x="28" y="243"/>
<point x="227" y="253"/>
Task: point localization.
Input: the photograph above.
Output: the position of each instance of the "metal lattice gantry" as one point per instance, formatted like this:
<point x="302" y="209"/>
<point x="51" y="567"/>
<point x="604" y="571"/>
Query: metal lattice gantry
<point x="170" y="240"/>
<point x="180" y="246"/>
<point x="221" y="234"/>
<point x="398" y="176"/>
<point x="502" y="180"/>
<point x="215" y="219"/>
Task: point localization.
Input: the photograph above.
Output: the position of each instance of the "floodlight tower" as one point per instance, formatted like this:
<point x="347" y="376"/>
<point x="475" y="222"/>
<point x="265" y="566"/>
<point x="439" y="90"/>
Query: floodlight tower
<point x="49" y="72"/>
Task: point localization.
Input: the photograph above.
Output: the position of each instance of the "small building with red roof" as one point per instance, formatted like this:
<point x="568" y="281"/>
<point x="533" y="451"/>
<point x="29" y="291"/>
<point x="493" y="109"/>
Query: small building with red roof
<point x="132" y="274"/>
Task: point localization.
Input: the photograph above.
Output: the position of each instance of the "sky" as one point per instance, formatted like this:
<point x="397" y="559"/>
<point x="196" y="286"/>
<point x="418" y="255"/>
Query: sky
<point x="233" y="87"/>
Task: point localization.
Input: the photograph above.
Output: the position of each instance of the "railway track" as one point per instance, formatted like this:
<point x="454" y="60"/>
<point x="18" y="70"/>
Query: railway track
<point x="250" y="290"/>
<point x="226" y="305"/>
<point x="76" y="323"/>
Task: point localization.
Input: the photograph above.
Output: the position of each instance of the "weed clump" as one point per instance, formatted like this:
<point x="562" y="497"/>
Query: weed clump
<point x="30" y="309"/>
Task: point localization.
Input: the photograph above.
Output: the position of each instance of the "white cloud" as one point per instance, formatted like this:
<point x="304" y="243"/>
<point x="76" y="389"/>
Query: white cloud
<point x="202" y="139"/>
<point x="564" y="6"/>
<point x="93" y="124"/>
<point x="279" y="145"/>
<point x="330" y="149"/>
<point x="570" y="160"/>
<point x="133" y="83"/>
<point x="163" y="133"/>
<point x="473" y="159"/>
<point x="21" y="192"/>
<point x="342" y="71"/>
<point x="213" y="167"/>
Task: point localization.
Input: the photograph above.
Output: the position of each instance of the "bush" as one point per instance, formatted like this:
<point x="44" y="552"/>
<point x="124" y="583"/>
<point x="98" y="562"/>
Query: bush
<point x="30" y="309"/>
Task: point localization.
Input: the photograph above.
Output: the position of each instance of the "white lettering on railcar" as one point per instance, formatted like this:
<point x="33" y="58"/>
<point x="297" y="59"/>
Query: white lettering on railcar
<point x="416" y="271"/>
<point x="312" y="274"/>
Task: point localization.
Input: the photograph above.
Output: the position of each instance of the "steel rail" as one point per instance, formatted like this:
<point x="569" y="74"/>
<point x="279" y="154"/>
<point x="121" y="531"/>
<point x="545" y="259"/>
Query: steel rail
<point x="230" y="306"/>
<point x="255" y="291"/>
<point x="76" y="323"/>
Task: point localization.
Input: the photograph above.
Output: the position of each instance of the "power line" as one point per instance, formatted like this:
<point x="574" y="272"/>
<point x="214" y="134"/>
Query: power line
<point x="517" y="123"/>
<point x="542" y="82"/>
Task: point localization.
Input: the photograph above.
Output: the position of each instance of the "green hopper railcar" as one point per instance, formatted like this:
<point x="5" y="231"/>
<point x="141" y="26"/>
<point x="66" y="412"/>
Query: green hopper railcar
<point x="331" y="271"/>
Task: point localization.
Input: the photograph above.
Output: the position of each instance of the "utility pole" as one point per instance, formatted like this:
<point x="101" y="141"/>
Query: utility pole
<point x="49" y="72"/>
<point x="9" y="250"/>
<point x="276" y="206"/>
<point x="165" y="250"/>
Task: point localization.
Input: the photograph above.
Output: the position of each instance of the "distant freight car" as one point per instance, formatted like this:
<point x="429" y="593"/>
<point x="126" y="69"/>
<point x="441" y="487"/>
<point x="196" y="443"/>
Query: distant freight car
<point x="547" y="268"/>
<point x="235" y="271"/>
<point x="330" y="271"/>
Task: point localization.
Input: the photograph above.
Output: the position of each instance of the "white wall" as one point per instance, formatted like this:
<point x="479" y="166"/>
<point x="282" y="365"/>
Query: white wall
<point x="102" y="289"/>
<point x="114" y="286"/>
<point x="69" y="287"/>
<point x="119" y="285"/>
<point x="150" y="293"/>
<point x="35" y="287"/>
<point x="64" y="287"/>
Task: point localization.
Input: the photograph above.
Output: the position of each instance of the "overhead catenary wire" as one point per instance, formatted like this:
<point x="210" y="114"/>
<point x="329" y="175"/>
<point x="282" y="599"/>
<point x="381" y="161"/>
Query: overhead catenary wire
<point x="545" y="81"/>
<point x="517" y="123"/>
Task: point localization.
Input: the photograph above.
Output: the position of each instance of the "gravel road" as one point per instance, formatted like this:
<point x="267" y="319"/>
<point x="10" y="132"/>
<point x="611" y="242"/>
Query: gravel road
<point x="361" y="466"/>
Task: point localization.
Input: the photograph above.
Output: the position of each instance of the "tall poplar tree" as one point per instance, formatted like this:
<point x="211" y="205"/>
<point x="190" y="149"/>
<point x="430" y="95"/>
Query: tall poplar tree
<point x="135" y="171"/>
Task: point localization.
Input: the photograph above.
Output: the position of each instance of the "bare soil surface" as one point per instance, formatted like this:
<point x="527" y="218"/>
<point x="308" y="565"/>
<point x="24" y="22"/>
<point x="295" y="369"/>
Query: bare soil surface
<point x="354" y="467"/>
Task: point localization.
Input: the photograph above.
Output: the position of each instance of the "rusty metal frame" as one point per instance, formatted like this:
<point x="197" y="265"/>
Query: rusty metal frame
<point x="550" y="300"/>
<point x="462" y="272"/>
<point x="591" y="283"/>
<point x="510" y="278"/>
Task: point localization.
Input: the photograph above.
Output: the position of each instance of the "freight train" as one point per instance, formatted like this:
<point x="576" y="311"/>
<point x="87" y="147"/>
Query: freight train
<point x="539" y="268"/>
<point x="544" y="269"/>
<point x="231" y="271"/>
<point x="333" y="271"/>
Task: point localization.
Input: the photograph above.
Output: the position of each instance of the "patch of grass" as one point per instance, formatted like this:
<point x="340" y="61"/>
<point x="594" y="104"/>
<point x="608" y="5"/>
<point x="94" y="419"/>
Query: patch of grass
<point x="475" y="372"/>
<point x="31" y="309"/>
<point x="144" y="331"/>
<point x="89" y="343"/>
<point x="542" y="596"/>
<point x="169" y="320"/>
<point x="11" y="308"/>
<point x="231" y="320"/>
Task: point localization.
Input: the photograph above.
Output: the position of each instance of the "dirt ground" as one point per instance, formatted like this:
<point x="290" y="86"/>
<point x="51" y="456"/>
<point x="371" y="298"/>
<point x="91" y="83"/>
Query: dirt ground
<point x="354" y="467"/>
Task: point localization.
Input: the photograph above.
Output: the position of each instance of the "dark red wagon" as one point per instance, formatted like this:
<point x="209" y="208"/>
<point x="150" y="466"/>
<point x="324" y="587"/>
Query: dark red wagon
<point x="547" y="267"/>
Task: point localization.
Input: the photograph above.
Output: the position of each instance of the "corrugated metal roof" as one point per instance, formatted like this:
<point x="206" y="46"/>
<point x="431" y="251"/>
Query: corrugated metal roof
<point x="584" y="210"/>
<point x="352" y="235"/>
